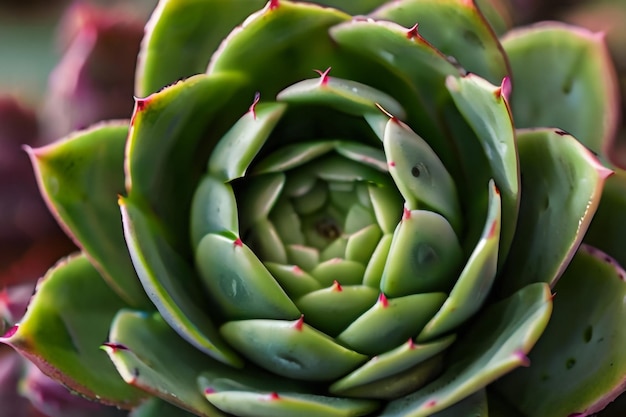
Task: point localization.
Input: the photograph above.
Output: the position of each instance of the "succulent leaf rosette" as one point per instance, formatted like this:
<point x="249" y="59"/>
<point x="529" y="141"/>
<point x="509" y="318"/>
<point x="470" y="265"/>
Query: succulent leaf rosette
<point x="383" y="237"/>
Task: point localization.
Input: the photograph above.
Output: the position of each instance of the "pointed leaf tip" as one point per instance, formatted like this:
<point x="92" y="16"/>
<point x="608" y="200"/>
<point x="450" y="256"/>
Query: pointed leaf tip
<point x="252" y="108"/>
<point x="413" y="32"/>
<point x="12" y="330"/>
<point x="273" y="4"/>
<point x="324" y="76"/>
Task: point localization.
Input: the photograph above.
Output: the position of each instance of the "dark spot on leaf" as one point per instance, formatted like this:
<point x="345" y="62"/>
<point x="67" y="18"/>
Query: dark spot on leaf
<point x="415" y="171"/>
<point x="569" y="364"/>
<point x="588" y="334"/>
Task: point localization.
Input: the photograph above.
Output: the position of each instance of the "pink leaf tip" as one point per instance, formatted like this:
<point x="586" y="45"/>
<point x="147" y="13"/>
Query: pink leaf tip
<point x="273" y="4"/>
<point x="114" y="346"/>
<point x="324" y="76"/>
<point x="521" y="355"/>
<point x="337" y="286"/>
<point x="383" y="301"/>
<point x="504" y="90"/>
<point x="238" y="243"/>
<point x="10" y="332"/>
<point x="406" y="213"/>
<point x="252" y="109"/>
<point x="274" y="396"/>
<point x="413" y="32"/>
<point x="299" y="324"/>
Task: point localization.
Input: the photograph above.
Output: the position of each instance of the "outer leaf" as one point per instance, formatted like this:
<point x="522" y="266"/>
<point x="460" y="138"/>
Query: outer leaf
<point x="80" y="178"/>
<point x="608" y="228"/>
<point x="486" y="109"/>
<point x="457" y="29"/>
<point x="142" y="346"/>
<point x="182" y="35"/>
<point x="169" y="281"/>
<point x="494" y="346"/>
<point x="579" y="365"/>
<point x="561" y="187"/>
<point x="65" y="323"/>
<point x="167" y="145"/>
<point x="564" y="78"/>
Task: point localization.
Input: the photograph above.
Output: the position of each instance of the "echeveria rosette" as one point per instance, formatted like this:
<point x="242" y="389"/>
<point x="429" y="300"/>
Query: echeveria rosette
<point x="378" y="239"/>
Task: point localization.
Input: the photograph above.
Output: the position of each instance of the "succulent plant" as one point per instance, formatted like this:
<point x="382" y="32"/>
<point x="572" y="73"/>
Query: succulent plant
<point x="390" y="237"/>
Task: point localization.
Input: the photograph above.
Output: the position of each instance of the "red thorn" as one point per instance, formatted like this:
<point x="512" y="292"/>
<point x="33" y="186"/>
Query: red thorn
<point x="274" y="396"/>
<point x="115" y="346"/>
<point x="296" y="270"/>
<point x="561" y="132"/>
<point x="505" y="87"/>
<point x="392" y="164"/>
<point x="391" y="116"/>
<point x="497" y="190"/>
<point x="337" y="286"/>
<point x="10" y="332"/>
<point x="299" y="324"/>
<point x="411" y="343"/>
<point x="208" y="391"/>
<point x="406" y="213"/>
<point x="552" y="295"/>
<point x="238" y="242"/>
<point x="523" y="358"/>
<point x="382" y="300"/>
<point x="431" y="404"/>
<point x="140" y="105"/>
<point x="273" y="4"/>
<point x="492" y="231"/>
<point x="252" y="109"/>
<point x="324" y="76"/>
<point x="413" y="33"/>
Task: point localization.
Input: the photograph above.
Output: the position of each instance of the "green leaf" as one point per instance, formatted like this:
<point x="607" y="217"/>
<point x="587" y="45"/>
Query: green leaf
<point x="291" y="348"/>
<point x="475" y="281"/>
<point x="169" y="141"/>
<point x="238" y="283"/>
<point x="494" y="345"/>
<point x="143" y="347"/>
<point x="485" y="107"/>
<point x="561" y="188"/>
<point x="62" y="330"/>
<point x="473" y="406"/>
<point x="181" y="37"/>
<point x="80" y="178"/>
<point x="237" y="400"/>
<point x="457" y="29"/>
<point x="578" y="366"/>
<point x="564" y="78"/>
<point x="608" y="227"/>
<point x="171" y="282"/>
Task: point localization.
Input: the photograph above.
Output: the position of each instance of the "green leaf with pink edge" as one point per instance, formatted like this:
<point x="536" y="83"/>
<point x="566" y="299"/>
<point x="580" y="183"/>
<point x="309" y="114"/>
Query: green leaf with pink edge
<point x="457" y="28"/>
<point x="182" y="35"/>
<point x="80" y="177"/>
<point x="561" y="187"/>
<point x="579" y="365"/>
<point x="608" y="227"/>
<point x="66" y="322"/>
<point x="564" y="78"/>
<point x="150" y="355"/>
<point x="497" y="342"/>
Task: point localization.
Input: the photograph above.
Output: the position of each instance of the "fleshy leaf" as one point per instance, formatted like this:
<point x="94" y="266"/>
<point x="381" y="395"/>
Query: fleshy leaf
<point x="486" y="109"/>
<point x="578" y="366"/>
<point x="390" y="364"/>
<point x="473" y="406"/>
<point x="81" y="177"/>
<point x="564" y="79"/>
<point x="156" y="407"/>
<point x="608" y="228"/>
<point x="177" y="43"/>
<point x="142" y="347"/>
<point x="214" y="210"/>
<point x="561" y="189"/>
<point x="238" y="283"/>
<point x="171" y="283"/>
<point x="474" y="284"/>
<point x="457" y="29"/>
<point x="168" y="143"/>
<point x="291" y="348"/>
<point x="244" y="403"/>
<point x="65" y="324"/>
<point x="496" y="344"/>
